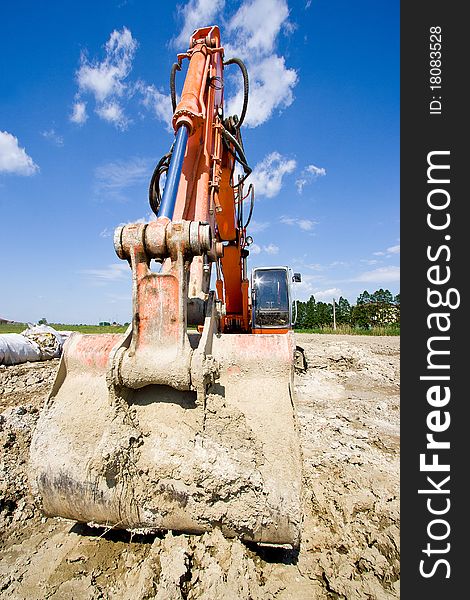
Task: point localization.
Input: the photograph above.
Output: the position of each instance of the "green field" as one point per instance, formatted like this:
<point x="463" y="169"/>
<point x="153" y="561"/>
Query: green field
<point x="19" y="327"/>
<point x="348" y="330"/>
<point x="341" y="330"/>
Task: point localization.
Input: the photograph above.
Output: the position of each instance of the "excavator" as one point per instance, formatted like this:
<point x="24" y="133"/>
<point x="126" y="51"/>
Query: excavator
<point x="187" y="421"/>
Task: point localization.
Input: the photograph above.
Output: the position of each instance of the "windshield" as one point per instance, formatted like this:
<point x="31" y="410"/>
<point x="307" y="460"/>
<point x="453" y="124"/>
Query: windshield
<point x="270" y="298"/>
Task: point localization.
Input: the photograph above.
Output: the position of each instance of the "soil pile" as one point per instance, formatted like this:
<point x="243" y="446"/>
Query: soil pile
<point x="348" y="408"/>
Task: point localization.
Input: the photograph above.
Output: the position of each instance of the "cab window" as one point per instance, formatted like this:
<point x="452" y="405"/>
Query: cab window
<point x="271" y="298"/>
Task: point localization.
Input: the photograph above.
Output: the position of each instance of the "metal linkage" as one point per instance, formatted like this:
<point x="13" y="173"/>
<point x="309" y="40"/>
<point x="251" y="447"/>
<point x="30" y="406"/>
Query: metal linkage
<point x="162" y="239"/>
<point x="159" y="351"/>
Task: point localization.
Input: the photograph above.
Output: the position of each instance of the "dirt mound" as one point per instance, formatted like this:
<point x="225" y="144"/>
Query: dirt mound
<point x="348" y="408"/>
<point x="28" y="382"/>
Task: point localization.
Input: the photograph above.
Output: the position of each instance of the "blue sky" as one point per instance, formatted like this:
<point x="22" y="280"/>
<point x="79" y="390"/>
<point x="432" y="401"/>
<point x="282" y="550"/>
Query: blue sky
<point x="84" y="111"/>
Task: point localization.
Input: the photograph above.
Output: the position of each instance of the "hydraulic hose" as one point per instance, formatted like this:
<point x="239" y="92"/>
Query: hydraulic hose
<point x="174" y="68"/>
<point x="239" y="153"/>
<point x="241" y="64"/>
<point x="252" y="204"/>
<point x="154" y="187"/>
<point x="167" y="205"/>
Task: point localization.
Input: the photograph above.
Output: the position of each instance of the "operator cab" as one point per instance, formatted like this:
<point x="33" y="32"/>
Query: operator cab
<point x="272" y="300"/>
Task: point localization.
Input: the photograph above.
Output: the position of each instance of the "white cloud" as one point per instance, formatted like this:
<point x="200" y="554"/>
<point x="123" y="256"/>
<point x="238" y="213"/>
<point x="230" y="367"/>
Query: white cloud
<point x="327" y="295"/>
<point x="113" y="113"/>
<point x="380" y="275"/>
<point x="267" y="175"/>
<point x="79" y="115"/>
<point x="112" y="178"/>
<point x="309" y="286"/>
<point x="150" y="216"/>
<point x="105" y="79"/>
<point x="14" y="159"/>
<point x="106" y="233"/>
<point x="306" y="287"/>
<point x="271" y="249"/>
<point x="271" y="85"/>
<point x="388" y="252"/>
<point x="53" y="136"/>
<point x="257" y="227"/>
<point x="196" y="13"/>
<point x="339" y="263"/>
<point x="157" y="102"/>
<point x="301" y="263"/>
<point x="257" y="24"/>
<point x="254" y="30"/>
<point x="309" y="173"/>
<point x="304" y="224"/>
<point x="315" y="171"/>
<point x="112" y="272"/>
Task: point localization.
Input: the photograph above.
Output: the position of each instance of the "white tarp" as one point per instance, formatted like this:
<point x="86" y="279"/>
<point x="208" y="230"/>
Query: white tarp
<point x="15" y="348"/>
<point x="38" y="342"/>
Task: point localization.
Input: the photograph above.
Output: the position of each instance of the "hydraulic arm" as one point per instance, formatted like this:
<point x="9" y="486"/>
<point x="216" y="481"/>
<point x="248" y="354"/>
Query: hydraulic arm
<point x="201" y="184"/>
<point x="165" y="427"/>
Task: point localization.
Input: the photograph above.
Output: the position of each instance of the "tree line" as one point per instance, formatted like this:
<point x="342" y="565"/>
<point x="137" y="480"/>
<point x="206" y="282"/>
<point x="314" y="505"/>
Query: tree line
<point x="378" y="309"/>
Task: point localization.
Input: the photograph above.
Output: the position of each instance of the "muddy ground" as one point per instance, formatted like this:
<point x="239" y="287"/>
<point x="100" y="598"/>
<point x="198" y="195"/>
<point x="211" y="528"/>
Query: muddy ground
<point x="348" y="407"/>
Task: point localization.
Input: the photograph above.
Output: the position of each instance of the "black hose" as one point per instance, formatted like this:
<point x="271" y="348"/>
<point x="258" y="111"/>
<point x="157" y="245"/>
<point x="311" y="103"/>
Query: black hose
<point x="241" y="64"/>
<point x="230" y="139"/>
<point x="155" y="195"/>
<point x="174" y="68"/>
<point x="252" y="203"/>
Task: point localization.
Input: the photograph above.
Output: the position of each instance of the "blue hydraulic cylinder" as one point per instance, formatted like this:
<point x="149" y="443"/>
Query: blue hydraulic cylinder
<point x="167" y="205"/>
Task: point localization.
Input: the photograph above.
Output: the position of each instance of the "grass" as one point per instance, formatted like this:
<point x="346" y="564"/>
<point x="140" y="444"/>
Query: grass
<point x="19" y="327"/>
<point x="348" y="330"/>
<point x="341" y="329"/>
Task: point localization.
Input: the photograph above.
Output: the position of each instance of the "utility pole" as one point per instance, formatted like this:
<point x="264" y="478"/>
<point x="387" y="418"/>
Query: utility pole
<point x="334" y="315"/>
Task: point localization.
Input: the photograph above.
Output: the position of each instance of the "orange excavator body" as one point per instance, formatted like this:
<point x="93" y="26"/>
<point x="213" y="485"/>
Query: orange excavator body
<point x="206" y="191"/>
<point x="165" y="428"/>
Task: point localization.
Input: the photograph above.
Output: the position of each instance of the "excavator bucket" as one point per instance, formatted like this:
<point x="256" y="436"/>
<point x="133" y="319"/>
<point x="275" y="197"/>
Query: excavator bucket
<point x="161" y="429"/>
<point x="160" y="459"/>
